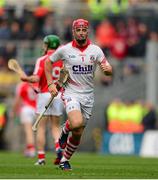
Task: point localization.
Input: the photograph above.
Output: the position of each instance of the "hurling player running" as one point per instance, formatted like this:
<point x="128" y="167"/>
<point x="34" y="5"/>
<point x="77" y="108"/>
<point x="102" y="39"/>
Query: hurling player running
<point x="50" y="44"/>
<point x="80" y="58"/>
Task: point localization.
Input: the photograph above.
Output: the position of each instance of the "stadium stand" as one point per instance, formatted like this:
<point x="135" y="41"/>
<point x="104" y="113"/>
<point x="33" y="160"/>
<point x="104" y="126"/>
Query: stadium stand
<point x="22" y="27"/>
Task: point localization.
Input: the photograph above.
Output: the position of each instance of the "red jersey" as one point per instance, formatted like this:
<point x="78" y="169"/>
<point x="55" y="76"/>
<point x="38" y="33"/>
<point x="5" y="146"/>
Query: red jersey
<point x="27" y="94"/>
<point x="39" y="71"/>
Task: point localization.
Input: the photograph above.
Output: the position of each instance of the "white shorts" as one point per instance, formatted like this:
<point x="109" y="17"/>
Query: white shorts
<point x="56" y="108"/>
<point x="27" y="114"/>
<point x="81" y="102"/>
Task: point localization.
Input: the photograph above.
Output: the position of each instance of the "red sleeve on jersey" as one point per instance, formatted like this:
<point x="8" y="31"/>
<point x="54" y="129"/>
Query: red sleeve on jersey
<point x="39" y="67"/>
<point x="104" y="60"/>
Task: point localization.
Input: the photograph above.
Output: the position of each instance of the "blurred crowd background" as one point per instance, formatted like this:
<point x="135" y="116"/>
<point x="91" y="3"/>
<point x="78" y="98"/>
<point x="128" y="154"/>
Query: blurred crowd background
<point x="126" y="30"/>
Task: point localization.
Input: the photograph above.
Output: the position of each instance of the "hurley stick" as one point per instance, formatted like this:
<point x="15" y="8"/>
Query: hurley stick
<point x="14" y="65"/>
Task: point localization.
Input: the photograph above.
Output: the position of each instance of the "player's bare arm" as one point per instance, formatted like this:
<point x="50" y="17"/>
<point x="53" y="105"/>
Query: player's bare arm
<point x="106" y="68"/>
<point x="48" y="72"/>
<point x="30" y="79"/>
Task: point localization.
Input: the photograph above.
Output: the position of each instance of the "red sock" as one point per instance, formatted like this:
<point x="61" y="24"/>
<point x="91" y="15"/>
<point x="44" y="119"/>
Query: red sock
<point x="66" y="127"/>
<point x="41" y="155"/>
<point x="71" y="147"/>
<point x="30" y="147"/>
<point x="57" y="146"/>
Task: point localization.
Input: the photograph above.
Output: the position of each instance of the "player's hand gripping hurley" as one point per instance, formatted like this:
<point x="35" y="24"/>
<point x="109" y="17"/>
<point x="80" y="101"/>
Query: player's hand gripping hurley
<point x="64" y="74"/>
<point x="14" y="65"/>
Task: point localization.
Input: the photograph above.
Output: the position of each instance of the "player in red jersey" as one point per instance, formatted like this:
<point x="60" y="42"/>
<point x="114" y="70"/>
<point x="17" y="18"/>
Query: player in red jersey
<point x="24" y="106"/>
<point x="51" y="43"/>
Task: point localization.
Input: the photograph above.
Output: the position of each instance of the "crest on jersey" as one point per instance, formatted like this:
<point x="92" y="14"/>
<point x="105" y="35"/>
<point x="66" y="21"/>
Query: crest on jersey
<point x="92" y="58"/>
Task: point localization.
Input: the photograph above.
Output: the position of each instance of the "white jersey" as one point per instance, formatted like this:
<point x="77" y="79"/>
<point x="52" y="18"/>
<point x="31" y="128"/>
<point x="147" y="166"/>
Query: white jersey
<point x="81" y="64"/>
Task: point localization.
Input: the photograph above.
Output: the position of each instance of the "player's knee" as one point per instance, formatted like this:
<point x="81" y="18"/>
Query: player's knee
<point x="76" y="125"/>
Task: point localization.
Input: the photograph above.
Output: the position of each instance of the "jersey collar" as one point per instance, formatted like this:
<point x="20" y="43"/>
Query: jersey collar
<point x="74" y="44"/>
<point x="49" y="52"/>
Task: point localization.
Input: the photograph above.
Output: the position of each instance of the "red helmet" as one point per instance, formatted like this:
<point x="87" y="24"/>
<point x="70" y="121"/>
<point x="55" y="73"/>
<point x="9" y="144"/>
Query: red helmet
<point x="80" y="23"/>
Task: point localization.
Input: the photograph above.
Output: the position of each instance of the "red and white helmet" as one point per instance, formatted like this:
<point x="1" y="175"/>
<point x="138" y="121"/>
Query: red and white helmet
<point x="80" y="23"/>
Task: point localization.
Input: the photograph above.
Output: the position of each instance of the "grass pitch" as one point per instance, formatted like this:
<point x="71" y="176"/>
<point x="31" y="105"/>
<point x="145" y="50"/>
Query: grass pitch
<point x="85" y="166"/>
